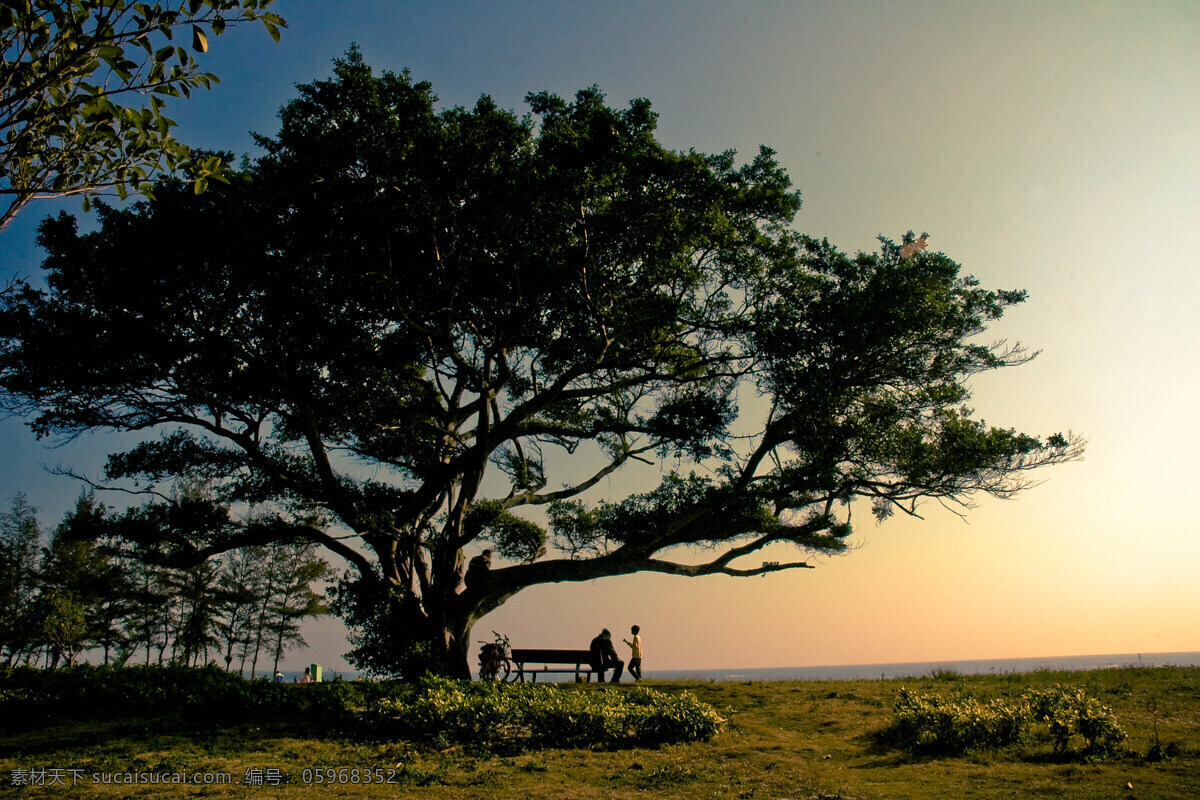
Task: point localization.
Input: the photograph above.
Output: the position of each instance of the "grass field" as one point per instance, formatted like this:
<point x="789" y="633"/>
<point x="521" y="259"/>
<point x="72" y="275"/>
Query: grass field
<point x="812" y="739"/>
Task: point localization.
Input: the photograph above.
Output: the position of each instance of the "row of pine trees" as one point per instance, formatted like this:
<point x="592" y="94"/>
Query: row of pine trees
<point x="66" y="597"/>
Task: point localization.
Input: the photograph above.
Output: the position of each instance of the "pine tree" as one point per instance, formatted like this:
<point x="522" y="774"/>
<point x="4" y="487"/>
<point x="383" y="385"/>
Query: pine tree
<point x="198" y="604"/>
<point x="63" y="626"/>
<point x="149" y="605"/>
<point x="76" y="565"/>
<point x="265" y="588"/>
<point x="20" y="537"/>
<point x="237" y="599"/>
<point x="294" y="599"/>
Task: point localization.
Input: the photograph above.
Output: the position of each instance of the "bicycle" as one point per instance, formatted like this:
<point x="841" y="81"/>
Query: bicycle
<point x="494" y="664"/>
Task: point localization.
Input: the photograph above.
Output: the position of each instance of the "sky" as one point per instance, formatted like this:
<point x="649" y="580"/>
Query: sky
<point x="1051" y="147"/>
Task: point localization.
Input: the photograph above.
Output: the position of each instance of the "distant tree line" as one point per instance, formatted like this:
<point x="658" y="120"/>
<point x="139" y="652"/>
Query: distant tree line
<point x="76" y="593"/>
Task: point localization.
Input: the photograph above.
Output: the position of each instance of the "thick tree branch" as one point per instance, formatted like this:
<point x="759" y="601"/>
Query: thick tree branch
<point x="715" y="568"/>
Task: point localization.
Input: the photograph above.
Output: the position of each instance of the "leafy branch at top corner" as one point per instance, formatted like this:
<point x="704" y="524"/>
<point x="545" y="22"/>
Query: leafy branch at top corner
<point x="70" y="69"/>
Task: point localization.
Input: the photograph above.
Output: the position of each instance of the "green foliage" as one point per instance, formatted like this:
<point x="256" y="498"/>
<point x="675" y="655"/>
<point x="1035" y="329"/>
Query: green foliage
<point x="205" y="693"/>
<point x="20" y="536"/>
<point x="75" y="565"/>
<point x="787" y="740"/>
<point x="67" y="66"/>
<point x="931" y="724"/>
<point x="928" y="723"/>
<point x="489" y="716"/>
<point x="374" y="612"/>
<point x="514" y="538"/>
<point x="503" y="717"/>
<point x="397" y="299"/>
<point x="92" y="588"/>
<point x="1070" y="710"/>
<point x="63" y="626"/>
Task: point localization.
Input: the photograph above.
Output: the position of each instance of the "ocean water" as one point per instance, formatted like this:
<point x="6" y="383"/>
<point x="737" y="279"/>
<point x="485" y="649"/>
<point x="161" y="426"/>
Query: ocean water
<point x="998" y="666"/>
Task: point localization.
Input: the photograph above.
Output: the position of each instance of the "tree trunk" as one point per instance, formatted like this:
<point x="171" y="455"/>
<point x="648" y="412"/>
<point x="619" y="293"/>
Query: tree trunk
<point x="453" y="637"/>
<point x="402" y="634"/>
<point x="456" y="650"/>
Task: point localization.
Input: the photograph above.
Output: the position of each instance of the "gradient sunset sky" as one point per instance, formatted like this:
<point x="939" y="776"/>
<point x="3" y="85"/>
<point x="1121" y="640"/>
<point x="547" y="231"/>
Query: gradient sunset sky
<point x="1053" y="147"/>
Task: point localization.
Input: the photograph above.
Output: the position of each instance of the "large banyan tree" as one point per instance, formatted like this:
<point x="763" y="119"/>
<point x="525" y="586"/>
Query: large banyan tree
<point x="397" y="332"/>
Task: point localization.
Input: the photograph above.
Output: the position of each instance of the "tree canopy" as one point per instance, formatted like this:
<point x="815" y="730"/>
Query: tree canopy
<point x="402" y="331"/>
<point x="69" y="65"/>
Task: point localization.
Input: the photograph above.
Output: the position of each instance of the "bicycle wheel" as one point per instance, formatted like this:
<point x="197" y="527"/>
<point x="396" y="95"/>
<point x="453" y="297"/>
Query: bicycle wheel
<point x="504" y="671"/>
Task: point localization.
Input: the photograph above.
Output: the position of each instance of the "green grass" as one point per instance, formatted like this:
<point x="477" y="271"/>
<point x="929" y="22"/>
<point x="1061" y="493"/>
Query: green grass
<point x="815" y="739"/>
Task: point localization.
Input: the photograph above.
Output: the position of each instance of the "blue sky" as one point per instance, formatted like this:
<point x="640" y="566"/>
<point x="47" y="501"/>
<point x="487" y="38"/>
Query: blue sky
<point x="1050" y="147"/>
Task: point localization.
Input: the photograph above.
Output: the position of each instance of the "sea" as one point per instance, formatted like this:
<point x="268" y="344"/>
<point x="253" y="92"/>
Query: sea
<point x="913" y="669"/>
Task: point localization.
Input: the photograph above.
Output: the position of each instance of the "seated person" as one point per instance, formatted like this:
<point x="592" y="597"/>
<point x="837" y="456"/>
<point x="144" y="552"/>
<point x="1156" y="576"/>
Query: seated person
<point x="604" y="656"/>
<point x="478" y="571"/>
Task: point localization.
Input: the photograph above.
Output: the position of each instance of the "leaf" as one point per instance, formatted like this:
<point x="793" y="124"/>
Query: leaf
<point x="110" y="52"/>
<point x="272" y="29"/>
<point x="199" y="40"/>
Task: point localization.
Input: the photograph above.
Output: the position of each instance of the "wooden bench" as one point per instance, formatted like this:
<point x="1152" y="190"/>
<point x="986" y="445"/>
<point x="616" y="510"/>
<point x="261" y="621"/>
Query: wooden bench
<point x="579" y="658"/>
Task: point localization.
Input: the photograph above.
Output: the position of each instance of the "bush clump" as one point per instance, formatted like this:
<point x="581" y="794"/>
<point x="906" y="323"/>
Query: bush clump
<point x="1067" y="711"/>
<point x="204" y="693"/>
<point x="928" y="723"/>
<point x="510" y="717"/>
<point x="932" y="724"/>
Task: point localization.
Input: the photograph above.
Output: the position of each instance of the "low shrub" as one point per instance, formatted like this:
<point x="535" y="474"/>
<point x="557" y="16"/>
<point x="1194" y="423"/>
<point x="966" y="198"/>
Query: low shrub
<point x="513" y="717"/>
<point x="1068" y="711"/>
<point x="931" y="724"/>
<point x="486" y="715"/>
<point x="926" y="723"/>
<point x="205" y="693"/>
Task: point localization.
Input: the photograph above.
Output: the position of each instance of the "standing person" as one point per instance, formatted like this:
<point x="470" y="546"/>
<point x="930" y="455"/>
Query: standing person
<point x="604" y="655"/>
<point x="635" y="659"/>
<point x="307" y="676"/>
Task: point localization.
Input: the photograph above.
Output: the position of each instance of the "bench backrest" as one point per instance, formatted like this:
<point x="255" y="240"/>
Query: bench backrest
<point x="525" y="656"/>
